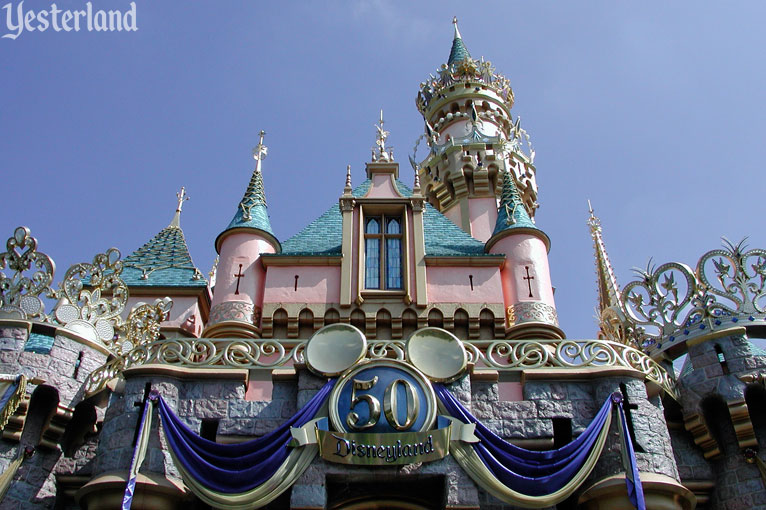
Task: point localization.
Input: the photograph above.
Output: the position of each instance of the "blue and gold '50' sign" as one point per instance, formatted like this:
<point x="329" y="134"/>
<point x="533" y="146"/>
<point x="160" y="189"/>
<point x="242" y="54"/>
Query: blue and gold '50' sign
<point x="383" y="396"/>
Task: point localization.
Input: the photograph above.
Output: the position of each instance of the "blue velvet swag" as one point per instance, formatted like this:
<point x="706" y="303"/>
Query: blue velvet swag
<point x="235" y="468"/>
<point x="534" y="473"/>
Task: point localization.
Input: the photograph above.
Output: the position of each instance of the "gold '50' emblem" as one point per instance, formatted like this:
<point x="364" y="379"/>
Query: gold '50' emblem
<point x="408" y="401"/>
<point x="390" y="404"/>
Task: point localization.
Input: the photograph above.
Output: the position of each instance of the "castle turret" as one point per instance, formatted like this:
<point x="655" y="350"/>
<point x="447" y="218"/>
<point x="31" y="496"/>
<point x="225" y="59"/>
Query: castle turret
<point x="472" y="139"/>
<point x="163" y="267"/>
<point x="240" y="275"/>
<point x="527" y="289"/>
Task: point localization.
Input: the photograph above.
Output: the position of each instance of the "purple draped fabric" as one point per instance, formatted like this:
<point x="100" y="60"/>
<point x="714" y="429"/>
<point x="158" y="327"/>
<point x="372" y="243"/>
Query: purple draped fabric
<point x="632" y="479"/>
<point x="234" y="468"/>
<point x="534" y="473"/>
<point x="130" y="487"/>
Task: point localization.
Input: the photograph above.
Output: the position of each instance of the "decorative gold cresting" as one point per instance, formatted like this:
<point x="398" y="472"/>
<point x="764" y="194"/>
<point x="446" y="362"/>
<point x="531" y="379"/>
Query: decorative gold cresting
<point x="266" y="354"/>
<point x="32" y="276"/>
<point x="674" y="304"/>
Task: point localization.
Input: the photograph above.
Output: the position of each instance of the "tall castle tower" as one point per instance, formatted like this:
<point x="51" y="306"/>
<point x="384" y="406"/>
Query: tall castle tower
<point x="478" y="154"/>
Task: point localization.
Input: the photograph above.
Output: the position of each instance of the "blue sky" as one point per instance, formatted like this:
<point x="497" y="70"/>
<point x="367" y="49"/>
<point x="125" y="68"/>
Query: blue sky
<point x="653" y="110"/>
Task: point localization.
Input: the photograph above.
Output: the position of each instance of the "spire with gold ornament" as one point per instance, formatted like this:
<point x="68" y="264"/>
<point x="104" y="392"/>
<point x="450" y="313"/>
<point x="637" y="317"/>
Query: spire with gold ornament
<point x="609" y="309"/>
<point x="472" y="138"/>
<point x="163" y="267"/>
<point x="252" y="211"/>
<point x="527" y="288"/>
<point x="240" y="275"/>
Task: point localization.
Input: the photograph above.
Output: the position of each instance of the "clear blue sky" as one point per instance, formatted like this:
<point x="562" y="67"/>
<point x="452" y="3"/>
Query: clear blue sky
<point x="653" y="110"/>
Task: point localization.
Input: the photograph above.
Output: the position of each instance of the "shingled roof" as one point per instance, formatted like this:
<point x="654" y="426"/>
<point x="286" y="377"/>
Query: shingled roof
<point x="164" y="261"/>
<point x="323" y="236"/>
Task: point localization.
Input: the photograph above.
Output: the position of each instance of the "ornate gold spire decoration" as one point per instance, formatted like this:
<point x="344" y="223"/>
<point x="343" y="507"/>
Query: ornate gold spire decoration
<point x="182" y="197"/>
<point x="380" y="153"/>
<point x="608" y="289"/>
<point x="255" y="195"/>
<point x="260" y="151"/>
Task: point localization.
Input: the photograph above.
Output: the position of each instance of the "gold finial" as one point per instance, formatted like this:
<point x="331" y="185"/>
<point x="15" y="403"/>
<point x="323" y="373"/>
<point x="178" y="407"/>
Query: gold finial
<point x="260" y="151"/>
<point x="457" y="32"/>
<point x="182" y="197"/>
<point x="593" y="222"/>
<point x="347" y="188"/>
<point x="382" y="154"/>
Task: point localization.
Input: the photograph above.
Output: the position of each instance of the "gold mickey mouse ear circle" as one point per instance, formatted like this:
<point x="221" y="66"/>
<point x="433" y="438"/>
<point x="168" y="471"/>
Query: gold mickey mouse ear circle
<point x="334" y="349"/>
<point x="437" y="353"/>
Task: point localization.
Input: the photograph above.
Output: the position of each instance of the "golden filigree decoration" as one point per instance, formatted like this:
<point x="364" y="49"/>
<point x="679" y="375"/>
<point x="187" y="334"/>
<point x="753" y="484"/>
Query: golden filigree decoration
<point x="143" y="325"/>
<point x="505" y="355"/>
<point x="19" y="294"/>
<point x="92" y="297"/>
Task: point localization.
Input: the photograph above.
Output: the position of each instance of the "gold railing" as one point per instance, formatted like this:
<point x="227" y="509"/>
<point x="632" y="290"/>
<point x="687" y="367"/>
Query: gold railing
<point x="504" y="355"/>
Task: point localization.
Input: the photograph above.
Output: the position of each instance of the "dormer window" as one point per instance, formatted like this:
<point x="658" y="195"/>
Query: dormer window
<point x="383" y="252"/>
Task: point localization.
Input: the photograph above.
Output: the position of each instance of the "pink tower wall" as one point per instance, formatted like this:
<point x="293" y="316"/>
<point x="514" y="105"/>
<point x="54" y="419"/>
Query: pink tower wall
<point x="245" y="249"/>
<point x="483" y="216"/>
<point x="525" y="250"/>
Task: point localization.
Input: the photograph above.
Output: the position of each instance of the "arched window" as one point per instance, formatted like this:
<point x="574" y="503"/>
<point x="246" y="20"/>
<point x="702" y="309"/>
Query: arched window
<point x="383" y="253"/>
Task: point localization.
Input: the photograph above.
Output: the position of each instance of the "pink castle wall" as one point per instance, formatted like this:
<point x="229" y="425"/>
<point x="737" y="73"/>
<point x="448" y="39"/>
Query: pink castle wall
<point x="450" y="284"/>
<point x="316" y="284"/>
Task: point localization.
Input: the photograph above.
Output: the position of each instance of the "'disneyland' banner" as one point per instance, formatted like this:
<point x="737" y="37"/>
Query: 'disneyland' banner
<point x="368" y="449"/>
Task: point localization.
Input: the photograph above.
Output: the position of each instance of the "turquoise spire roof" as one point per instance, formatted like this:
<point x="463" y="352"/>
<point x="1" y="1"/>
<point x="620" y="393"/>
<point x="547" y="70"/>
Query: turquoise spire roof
<point x="251" y="211"/>
<point x="512" y="214"/>
<point x="459" y="52"/>
<point x="164" y="261"/>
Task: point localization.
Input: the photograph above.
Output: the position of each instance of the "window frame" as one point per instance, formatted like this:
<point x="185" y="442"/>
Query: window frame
<point x="384" y="253"/>
<point x="383" y="212"/>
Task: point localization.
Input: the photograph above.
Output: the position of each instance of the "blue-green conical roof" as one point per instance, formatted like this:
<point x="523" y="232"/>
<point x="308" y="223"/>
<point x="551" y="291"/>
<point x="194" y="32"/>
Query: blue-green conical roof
<point x="164" y="261"/>
<point x="251" y="211"/>
<point x="459" y="52"/>
<point x="512" y="214"/>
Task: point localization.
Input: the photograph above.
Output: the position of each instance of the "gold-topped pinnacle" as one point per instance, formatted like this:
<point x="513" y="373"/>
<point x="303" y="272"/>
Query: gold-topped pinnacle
<point x="457" y="31"/>
<point x="347" y="188"/>
<point x="380" y="153"/>
<point x="182" y="197"/>
<point x="593" y="222"/>
<point x="260" y="151"/>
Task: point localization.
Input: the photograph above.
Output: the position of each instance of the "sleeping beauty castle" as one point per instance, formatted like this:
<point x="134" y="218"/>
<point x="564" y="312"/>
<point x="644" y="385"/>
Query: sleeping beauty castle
<point x="402" y="351"/>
